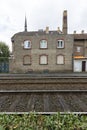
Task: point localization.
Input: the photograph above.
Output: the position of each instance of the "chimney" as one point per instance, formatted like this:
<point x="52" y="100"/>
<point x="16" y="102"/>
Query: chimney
<point x="74" y="32"/>
<point x="82" y="32"/>
<point x="47" y="30"/>
<point x="65" y="22"/>
<point x="59" y="31"/>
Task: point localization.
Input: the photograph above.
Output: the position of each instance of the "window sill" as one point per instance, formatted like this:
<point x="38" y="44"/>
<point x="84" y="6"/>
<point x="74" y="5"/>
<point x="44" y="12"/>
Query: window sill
<point x="26" y="64"/>
<point x="43" y="64"/>
<point x="60" y="47"/>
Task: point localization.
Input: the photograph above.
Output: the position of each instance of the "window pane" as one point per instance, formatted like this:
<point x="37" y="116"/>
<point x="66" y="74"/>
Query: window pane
<point x="60" y="59"/>
<point x="43" y="44"/>
<point x="60" y="44"/>
<point x="27" y="44"/>
<point x="43" y="60"/>
<point x="78" y="49"/>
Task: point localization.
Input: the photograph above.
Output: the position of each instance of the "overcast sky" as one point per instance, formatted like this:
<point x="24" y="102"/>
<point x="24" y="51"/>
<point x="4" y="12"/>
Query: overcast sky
<point x="40" y="13"/>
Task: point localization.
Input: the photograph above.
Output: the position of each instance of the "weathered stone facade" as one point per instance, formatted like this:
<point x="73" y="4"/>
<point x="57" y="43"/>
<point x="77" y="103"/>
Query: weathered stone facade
<point x="51" y="51"/>
<point x="29" y="59"/>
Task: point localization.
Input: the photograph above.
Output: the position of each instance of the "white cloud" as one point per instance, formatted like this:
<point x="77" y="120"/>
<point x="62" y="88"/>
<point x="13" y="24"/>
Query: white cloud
<point x="40" y="13"/>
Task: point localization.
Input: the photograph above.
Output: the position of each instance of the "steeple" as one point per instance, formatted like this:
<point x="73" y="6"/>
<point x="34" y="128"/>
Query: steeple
<point x="25" y="27"/>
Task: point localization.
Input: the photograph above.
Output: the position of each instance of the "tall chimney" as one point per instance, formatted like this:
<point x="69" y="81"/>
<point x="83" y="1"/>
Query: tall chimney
<point x="82" y="31"/>
<point x="65" y="22"/>
<point x="47" y="30"/>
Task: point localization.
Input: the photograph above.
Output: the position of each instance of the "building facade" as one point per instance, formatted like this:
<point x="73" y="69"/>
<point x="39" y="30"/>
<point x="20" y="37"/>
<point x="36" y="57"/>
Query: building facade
<point x="80" y="53"/>
<point x="48" y="51"/>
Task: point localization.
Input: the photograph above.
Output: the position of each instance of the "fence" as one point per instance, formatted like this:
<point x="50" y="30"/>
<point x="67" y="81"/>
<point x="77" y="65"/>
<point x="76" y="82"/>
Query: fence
<point x="4" y="67"/>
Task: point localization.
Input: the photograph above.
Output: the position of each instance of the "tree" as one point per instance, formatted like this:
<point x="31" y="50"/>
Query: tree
<point x="4" y="51"/>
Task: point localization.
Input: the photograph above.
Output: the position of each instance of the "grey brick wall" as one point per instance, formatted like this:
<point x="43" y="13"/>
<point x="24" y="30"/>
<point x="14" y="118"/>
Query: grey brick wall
<point x="16" y="64"/>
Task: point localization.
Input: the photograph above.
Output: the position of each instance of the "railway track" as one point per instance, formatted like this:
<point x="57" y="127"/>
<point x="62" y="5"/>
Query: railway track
<point x="43" y="83"/>
<point x="25" y="93"/>
<point x="43" y="101"/>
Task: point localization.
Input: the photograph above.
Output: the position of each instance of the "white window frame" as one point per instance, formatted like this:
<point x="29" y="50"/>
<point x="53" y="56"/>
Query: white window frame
<point x="27" y="44"/>
<point x="43" y="59"/>
<point x="59" y="60"/>
<point x="43" y="44"/>
<point x="60" y="44"/>
<point x="78" y="49"/>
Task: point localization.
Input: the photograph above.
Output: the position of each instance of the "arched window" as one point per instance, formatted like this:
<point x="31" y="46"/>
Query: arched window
<point x="43" y="44"/>
<point x="27" y="44"/>
<point x="60" y="59"/>
<point x="60" y="44"/>
<point x="27" y="60"/>
<point x="43" y="59"/>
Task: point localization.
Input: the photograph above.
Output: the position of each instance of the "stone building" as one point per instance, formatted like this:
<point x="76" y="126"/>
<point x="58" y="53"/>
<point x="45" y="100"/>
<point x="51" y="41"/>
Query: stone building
<point x="48" y="51"/>
<point x="80" y="52"/>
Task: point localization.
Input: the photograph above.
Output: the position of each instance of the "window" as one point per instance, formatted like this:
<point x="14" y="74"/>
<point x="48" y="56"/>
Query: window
<point x="60" y="59"/>
<point x="43" y="44"/>
<point x="60" y="44"/>
<point x="27" y="44"/>
<point x="78" y="49"/>
<point x="43" y="60"/>
<point x="27" y="60"/>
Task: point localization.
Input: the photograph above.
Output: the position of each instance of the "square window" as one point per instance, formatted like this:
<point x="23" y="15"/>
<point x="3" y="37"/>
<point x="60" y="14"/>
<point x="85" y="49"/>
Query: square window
<point x="60" y="44"/>
<point x="78" y="49"/>
<point x="43" y="60"/>
<point x="27" y="44"/>
<point x="43" y="44"/>
<point x="60" y="59"/>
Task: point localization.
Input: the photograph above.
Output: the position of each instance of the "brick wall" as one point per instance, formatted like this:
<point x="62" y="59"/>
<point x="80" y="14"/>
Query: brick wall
<point x="17" y="66"/>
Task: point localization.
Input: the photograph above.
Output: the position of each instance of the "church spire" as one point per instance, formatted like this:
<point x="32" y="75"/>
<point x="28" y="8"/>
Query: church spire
<point x="25" y="27"/>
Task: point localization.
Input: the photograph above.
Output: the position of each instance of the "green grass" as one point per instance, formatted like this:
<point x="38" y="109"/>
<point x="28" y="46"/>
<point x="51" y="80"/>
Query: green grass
<point x="34" y="121"/>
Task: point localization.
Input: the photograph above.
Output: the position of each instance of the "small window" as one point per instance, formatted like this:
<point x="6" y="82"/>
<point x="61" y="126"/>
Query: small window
<point x="60" y="59"/>
<point x="43" y="60"/>
<point x="43" y="44"/>
<point x="60" y="44"/>
<point x="27" y="44"/>
<point x="78" y="49"/>
<point x="27" y="60"/>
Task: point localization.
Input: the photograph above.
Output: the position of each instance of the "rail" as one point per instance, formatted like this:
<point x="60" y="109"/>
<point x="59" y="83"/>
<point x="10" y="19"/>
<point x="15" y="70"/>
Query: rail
<point x="43" y="91"/>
